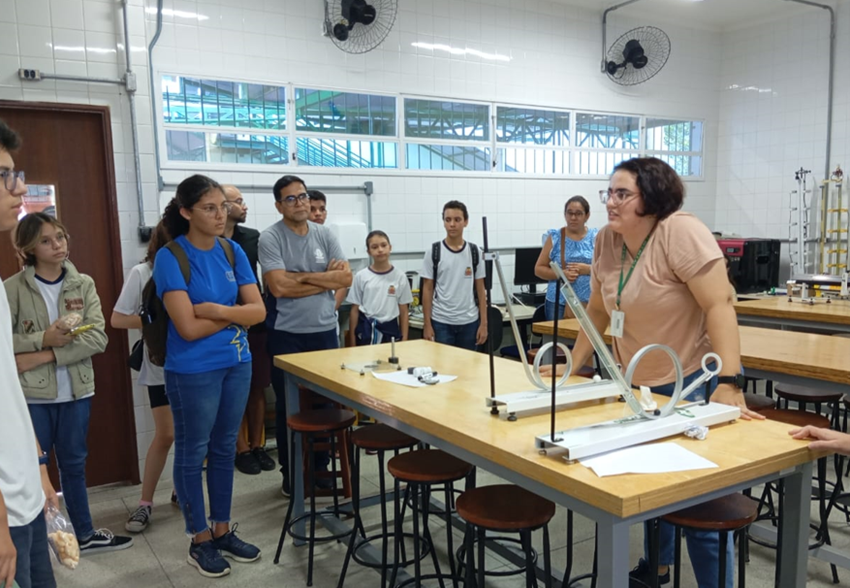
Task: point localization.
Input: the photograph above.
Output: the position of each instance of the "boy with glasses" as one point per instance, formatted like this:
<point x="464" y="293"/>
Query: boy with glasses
<point x="303" y="263"/>
<point x="25" y="487"/>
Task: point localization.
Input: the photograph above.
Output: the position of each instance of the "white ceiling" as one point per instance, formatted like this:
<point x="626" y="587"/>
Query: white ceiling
<point x="710" y="14"/>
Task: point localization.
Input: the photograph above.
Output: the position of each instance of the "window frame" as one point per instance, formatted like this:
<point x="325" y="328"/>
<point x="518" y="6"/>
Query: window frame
<point x="401" y="141"/>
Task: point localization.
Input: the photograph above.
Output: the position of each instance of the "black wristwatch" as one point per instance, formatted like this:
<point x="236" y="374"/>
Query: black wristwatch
<point x="738" y="380"/>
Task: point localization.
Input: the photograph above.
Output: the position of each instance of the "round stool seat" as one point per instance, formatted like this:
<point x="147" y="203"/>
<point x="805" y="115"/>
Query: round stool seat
<point x="381" y="437"/>
<point x="323" y="419"/>
<point x="727" y="513"/>
<point x="504" y="507"/>
<point x="759" y="403"/>
<point x="797" y="418"/>
<point x="804" y="394"/>
<point x="428" y="466"/>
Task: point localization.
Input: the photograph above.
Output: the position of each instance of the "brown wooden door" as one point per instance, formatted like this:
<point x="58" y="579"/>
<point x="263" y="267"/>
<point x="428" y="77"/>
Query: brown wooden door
<point x="70" y="146"/>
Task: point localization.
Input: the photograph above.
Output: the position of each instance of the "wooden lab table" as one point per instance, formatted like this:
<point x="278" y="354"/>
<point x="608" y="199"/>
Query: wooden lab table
<point x="804" y="359"/>
<point x="453" y="417"/>
<point x="777" y="311"/>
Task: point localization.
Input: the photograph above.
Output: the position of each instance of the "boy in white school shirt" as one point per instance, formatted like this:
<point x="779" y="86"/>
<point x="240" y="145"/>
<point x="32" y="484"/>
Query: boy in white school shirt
<point x="25" y="487"/>
<point x="380" y="297"/>
<point x="451" y="313"/>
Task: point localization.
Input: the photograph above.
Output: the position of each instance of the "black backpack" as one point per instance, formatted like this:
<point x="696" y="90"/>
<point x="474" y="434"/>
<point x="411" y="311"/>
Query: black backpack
<point x="153" y="313"/>
<point x="437" y="248"/>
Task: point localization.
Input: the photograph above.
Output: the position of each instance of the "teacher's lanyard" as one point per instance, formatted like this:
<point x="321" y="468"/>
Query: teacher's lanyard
<point x="631" y="269"/>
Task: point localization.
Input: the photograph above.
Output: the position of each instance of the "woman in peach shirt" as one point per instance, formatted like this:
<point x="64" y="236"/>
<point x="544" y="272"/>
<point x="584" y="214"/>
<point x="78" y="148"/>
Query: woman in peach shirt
<point x="660" y="270"/>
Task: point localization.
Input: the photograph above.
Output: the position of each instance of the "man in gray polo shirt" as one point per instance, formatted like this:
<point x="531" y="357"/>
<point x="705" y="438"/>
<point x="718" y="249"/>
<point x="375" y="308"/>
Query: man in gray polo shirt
<point x="303" y="263"/>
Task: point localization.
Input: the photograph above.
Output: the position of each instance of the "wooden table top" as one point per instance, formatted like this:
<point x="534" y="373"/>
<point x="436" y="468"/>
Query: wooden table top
<point x="835" y="312"/>
<point x="807" y="355"/>
<point x="456" y="412"/>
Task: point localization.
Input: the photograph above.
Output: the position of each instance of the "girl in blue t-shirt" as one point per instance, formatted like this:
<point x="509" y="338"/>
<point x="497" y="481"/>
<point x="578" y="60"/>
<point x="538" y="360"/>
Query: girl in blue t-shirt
<point x="572" y="248"/>
<point x="207" y="365"/>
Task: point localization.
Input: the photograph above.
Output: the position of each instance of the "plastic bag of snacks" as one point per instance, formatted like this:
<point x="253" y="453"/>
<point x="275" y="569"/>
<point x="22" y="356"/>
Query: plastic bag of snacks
<point x="60" y="536"/>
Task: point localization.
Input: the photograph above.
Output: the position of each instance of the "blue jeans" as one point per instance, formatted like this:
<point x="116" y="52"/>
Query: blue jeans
<point x="34" y="569"/>
<point x="462" y="336"/>
<point x="703" y="546"/>
<point x="64" y="427"/>
<point x="283" y="343"/>
<point x="207" y="409"/>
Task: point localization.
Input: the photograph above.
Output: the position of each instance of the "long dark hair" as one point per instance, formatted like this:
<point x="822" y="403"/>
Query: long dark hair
<point x="189" y="192"/>
<point x="159" y="239"/>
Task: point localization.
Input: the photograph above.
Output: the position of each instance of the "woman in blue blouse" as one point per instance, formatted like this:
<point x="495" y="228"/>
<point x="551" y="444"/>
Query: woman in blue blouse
<point x="572" y="248"/>
<point x="207" y="364"/>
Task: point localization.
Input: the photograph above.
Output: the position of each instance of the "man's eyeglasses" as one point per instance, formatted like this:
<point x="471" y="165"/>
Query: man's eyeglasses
<point x="297" y="199"/>
<point x="237" y="202"/>
<point x="212" y="210"/>
<point x="617" y="197"/>
<point x="10" y="178"/>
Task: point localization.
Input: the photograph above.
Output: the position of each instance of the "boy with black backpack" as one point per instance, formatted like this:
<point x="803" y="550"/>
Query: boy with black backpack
<point x="453" y="300"/>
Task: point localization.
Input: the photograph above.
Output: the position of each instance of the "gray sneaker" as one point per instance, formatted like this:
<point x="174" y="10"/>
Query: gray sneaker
<point x="139" y="520"/>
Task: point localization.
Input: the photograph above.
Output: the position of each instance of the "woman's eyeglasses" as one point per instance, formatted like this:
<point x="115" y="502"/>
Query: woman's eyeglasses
<point x="617" y="197"/>
<point x="213" y="210"/>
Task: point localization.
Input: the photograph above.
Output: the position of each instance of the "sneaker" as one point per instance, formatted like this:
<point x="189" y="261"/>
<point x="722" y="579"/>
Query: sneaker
<point x="208" y="559"/>
<point x="139" y="520"/>
<point x="267" y="464"/>
<point x="247" y="463"/>
<point x="641" y="577"/>
<point x="102" y="541"/>
<point x="174" y="502"/>
<point x="284" y="488"/>
<point x="233" y="547"/>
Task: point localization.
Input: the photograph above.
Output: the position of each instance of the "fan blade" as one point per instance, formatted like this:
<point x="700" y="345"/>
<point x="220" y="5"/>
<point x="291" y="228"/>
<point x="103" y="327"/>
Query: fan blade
<point x="346" y="8"/>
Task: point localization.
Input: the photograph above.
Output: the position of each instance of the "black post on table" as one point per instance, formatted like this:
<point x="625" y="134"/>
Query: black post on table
<point x="488" y="286"/>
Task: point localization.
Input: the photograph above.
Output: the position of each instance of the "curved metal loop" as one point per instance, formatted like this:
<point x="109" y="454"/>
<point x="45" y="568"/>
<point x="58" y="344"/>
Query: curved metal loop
<point x="535" y="373"/>
<point x="634" y="403"/>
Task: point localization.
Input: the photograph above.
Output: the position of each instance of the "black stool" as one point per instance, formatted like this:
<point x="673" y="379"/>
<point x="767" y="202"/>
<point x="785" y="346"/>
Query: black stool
<point x="421" y="470"/>
<point x="725" y="515"/>
<point x="504" y="508"/>
<point x="758" y="403"/>
<point x="325" y="422"/>
<point x="379" y="438"/>
<point x="804" y="396"/>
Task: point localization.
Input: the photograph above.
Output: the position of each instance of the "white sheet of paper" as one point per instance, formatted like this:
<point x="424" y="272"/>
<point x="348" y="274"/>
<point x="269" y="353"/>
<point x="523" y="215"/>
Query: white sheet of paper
<point x="655" y="458"/>
<point x="406" y="379"/>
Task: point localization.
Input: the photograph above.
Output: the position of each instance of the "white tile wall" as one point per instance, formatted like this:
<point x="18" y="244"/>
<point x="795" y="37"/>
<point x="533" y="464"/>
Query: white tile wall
<point x="773" y="119"/>
<point x="555" y="59"/>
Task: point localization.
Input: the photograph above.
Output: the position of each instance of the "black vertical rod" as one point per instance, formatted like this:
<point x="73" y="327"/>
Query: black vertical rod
<point x="488" y="285"/>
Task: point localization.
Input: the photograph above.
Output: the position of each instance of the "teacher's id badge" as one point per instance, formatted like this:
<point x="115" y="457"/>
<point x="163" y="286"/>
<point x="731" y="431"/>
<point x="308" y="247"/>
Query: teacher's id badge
<point x="618" y="320"/>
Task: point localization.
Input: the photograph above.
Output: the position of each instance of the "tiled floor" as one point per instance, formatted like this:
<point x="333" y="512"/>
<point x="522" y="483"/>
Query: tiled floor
<point x="158" y="557"/>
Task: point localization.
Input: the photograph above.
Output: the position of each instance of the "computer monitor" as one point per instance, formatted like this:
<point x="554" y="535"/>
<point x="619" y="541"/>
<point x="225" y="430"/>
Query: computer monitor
<point x="524" y="262"/>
